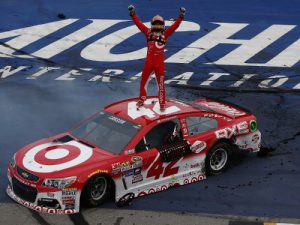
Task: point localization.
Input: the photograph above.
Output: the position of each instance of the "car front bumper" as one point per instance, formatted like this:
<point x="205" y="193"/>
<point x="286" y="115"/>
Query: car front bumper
<point x="65" y="201"/>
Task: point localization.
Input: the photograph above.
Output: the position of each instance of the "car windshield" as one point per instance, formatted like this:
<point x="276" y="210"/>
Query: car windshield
<point x="107" y="131"/>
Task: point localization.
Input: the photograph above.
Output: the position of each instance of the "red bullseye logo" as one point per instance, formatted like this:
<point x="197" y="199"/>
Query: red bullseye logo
<point x="57" y="154"/>
<point x="48" y="158"/>
<point x="159" y="45"/>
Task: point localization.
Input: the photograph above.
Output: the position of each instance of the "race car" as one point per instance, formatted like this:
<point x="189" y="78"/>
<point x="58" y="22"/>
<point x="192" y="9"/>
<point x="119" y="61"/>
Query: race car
<point x="129" y="152"/>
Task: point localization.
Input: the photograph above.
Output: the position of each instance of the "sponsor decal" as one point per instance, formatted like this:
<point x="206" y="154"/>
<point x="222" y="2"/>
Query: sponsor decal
<point x="185" y="132"/>
<point x="136" y="158"/>
<point x="117" y="120"/>
<point x="50" y="194"/>
<point x="184" y="127"/>
<point x="68" y="197"/>
<point x="198" y="146"/>
<point x="172" y="180"/>
<point x="195" y="165"/>
<point x="69" y="191"/>
<point x="130" y="151"/>
<point x="167" y="119"/>
<point x="229" y="132"/>
<point x="137" y="178"/>
<point x="192" y="173"/>
<point x="211" y="115"/>
<point x="137" y="170"/>
<point x="253" y="125"/>
<point x="47" y="158"/>
<point x="125" y="166"/>
<point x="218" y="106"/>
<point x="133" y="166"/>
<point x="69" y="200"/>
<point x="68" y="207"/>
<point x="129" y="173"/>
<point x="97" y="172"/>
<point x="115" y="166"/>
<point x="255" y="138"/>
<point x="25" y="182"/>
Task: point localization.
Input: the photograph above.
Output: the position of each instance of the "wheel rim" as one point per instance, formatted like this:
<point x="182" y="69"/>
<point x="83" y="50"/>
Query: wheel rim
<point x="98" y="188"/>
<point x="218" y="159"/>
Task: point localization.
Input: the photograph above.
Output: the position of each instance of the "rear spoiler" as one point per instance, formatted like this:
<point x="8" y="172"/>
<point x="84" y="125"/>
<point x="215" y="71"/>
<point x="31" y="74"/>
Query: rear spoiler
<point x="235" y="111"/>
<point x="230" y="103"/>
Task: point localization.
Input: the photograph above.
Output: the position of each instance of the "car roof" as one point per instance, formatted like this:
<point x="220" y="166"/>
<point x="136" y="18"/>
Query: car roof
<point x="127" y="109"/>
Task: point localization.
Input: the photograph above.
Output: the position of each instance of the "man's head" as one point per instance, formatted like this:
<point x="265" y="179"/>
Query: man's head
<point x="157" y="24"/>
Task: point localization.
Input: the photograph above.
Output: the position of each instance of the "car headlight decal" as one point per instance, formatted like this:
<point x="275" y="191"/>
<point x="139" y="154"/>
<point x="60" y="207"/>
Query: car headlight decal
<point x="59" y="182"/>
<point x="13" y="161"/>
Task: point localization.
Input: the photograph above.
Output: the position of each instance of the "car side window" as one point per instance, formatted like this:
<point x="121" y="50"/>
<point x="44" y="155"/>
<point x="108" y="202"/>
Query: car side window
<point x="198" y="125"/>
<point x="159" y="135"/>
<point x="141" y="146"/>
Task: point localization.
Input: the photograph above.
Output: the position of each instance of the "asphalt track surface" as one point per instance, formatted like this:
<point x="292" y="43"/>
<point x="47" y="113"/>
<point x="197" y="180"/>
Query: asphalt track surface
<point x="35" y="108"/>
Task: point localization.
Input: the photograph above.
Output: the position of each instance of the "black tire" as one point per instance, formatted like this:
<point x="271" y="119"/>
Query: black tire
<point x="96" y="191"/>
<point x="217" y="159"/>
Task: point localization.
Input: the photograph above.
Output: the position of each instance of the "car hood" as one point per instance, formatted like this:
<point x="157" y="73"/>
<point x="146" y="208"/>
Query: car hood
<point x="52" y="157"/>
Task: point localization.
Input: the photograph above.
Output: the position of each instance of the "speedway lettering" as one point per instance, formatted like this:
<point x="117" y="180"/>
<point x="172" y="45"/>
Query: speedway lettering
<point x="23" y="37"/>
<point x="107" y="75"/>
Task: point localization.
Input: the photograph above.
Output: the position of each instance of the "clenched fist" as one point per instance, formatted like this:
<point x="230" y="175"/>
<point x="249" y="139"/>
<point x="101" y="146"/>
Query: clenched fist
<point x="131" y="10"/>
<point x="182" y="11"/>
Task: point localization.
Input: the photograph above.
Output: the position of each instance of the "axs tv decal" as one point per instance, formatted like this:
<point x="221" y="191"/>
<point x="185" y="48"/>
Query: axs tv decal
<point x="101" y="49"/>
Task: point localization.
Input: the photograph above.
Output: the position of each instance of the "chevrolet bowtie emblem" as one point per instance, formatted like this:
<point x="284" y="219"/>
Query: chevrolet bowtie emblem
<point x="24" y="174"/>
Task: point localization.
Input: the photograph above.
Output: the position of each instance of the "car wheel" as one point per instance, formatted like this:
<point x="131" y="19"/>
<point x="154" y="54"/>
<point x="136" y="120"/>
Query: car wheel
<point x="96" y="191"/>
<point x="217" y="159"/>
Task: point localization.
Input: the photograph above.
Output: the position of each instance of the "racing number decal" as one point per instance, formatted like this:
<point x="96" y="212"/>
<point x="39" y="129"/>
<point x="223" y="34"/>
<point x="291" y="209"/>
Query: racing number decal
<point x="170" y="170"/>
<point x="157" y="169"/>
<point x="149" y="110"/>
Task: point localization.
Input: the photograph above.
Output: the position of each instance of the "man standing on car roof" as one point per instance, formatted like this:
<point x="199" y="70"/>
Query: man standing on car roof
<point x="156" y="36"/>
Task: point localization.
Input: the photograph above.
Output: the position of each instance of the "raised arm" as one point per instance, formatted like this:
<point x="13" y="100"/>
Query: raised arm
<point x="136" y="19"/>
<point x="170" y="30"/>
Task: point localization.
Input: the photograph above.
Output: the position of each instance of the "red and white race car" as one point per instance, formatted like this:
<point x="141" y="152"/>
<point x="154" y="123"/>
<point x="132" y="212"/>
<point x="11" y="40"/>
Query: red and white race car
<point x="130" y="152"/>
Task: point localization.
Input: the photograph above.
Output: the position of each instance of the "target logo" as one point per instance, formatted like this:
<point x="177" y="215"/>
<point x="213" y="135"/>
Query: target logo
<point x="49" y="157"/>
<point x="159" y="45"/>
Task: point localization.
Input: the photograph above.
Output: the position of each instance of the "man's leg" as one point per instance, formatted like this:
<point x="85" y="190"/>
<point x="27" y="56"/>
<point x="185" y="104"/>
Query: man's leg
<point x="160" y="78"/>
<point x="144" y="82"/>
